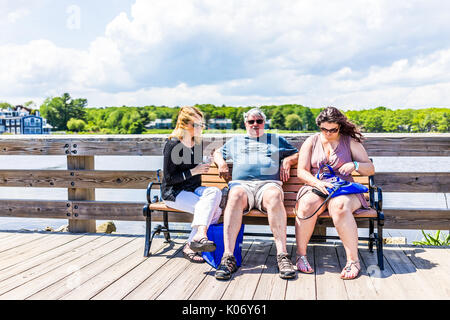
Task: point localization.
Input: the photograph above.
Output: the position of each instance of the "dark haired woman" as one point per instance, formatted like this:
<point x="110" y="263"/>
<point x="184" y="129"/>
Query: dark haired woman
<point x="338" y="145"/>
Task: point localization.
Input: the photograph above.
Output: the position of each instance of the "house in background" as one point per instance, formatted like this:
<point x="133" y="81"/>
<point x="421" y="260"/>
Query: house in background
<point x="35" y="124"/>
<point x="21" y="121"/>
<point x="222" y="124"/>
<point x="159" y="124"/>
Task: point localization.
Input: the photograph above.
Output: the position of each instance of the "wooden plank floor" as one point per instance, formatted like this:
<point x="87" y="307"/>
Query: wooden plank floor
<point x="102" y="267"/>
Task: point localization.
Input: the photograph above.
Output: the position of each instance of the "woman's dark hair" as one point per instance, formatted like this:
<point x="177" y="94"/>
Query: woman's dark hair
<point x="332" y="114"/>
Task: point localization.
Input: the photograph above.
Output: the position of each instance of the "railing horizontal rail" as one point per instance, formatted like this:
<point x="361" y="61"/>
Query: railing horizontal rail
<point x="77" y="179"/>
<point x="152" y="145"/>
<point x="435" y="182"/>
<point x="398" y="218"/>
<point x="58" y="209"/>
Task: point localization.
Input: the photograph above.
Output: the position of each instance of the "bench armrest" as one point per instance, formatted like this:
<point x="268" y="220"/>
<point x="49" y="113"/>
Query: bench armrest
<point x="149" y="192"/>
<point x="375" y="195"/>
<point x="378" y="200"/>
<point x="150" y="186"/>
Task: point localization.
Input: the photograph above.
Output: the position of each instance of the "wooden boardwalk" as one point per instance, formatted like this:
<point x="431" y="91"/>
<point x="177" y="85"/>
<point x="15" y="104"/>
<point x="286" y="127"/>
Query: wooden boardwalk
<point x="94" y="266"/>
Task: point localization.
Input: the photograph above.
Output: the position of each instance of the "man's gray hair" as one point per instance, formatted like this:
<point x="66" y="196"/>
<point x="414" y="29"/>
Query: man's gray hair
<point x="254" y="112"/>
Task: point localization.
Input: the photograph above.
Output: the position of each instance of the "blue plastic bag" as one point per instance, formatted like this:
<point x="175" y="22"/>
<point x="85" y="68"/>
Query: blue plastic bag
<point x="215" y="233"/>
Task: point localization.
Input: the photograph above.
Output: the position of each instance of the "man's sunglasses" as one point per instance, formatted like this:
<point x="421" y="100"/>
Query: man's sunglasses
<point x="334" y="130"/>
<point x="259" y="121"/>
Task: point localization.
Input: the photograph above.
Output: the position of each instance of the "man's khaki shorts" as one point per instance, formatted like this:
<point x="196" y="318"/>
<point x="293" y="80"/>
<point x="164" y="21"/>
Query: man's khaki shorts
<point x="255" y="191"/>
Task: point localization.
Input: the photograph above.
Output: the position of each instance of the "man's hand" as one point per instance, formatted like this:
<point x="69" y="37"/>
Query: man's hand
<point x="285" y="170"/>
<point x="224" y="172"/>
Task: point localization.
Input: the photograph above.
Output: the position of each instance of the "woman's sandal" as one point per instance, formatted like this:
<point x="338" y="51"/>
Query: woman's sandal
<point x="303" y="265"/>
<point x="348" y="269"/>
<point x="202" y="245"/>
<point x="194" y="257"/>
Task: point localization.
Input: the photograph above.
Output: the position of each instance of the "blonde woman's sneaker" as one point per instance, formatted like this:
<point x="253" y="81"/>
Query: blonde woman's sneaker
<point x="285" y="266"/>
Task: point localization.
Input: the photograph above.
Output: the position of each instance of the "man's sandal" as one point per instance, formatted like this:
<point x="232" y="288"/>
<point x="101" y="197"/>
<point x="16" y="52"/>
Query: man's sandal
<point x="348" y="269"/>
<point x="303" y="265"/>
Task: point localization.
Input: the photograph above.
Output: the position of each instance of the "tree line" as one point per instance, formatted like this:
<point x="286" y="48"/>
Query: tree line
<point x="68" y="114"/>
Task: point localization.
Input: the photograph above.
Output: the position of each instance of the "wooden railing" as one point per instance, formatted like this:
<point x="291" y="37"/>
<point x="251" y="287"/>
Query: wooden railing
<point x="81" y="178"/>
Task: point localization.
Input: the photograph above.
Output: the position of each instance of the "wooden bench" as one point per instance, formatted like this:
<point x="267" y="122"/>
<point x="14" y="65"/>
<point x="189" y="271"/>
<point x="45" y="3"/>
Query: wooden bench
<point x="291" y="187"/>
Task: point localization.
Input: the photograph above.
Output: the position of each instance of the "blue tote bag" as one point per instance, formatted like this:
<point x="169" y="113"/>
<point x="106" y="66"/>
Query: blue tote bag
<point x="215" y="233"/>
<point x="340" y="187"/>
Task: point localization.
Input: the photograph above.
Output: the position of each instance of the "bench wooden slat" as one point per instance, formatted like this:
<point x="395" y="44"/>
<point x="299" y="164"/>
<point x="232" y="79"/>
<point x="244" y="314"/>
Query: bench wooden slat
<point x="292" y="180"/>
<point x="361" y="213"/>
<point x="290" y="191"/>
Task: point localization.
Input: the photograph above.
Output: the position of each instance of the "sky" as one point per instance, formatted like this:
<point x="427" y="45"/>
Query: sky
<point x="351" y="54"/>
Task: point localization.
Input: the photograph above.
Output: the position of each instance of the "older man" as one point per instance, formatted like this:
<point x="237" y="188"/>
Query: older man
<point x="260" y="163"/>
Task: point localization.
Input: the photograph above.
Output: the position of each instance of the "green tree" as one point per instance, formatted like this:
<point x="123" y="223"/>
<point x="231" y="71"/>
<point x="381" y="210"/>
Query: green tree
<point x="238" y="119"/>
<point x="59" y="110"/>
<point x="114" y="119"/>
<point x="293" y="122"/>
<point x="305" y="114"/>
<point x="374" y="122"/>
<point x="278" y="120"/>
<point x="5" y="105"/>
<point x="431" y="121"/>
<point x="175" y="118"/>
<point x="444" y="123"/>
<point x="390" y="122"/>
<point x="136" y="128"/>
<point x="76" y="125"/>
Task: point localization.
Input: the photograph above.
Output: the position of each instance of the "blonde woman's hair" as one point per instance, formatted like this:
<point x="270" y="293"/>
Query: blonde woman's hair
<point x="185" y="117"/>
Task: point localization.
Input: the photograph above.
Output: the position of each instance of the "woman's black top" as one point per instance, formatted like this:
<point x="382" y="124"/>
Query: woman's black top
<point x="178" y="160"/>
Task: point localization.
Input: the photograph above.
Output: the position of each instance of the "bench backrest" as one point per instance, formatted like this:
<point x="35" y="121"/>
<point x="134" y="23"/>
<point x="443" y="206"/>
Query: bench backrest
<point x="291" y="187"/>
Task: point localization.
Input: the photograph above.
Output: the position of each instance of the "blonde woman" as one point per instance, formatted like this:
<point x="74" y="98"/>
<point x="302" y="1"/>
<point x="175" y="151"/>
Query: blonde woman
<point x="181" y="187"/>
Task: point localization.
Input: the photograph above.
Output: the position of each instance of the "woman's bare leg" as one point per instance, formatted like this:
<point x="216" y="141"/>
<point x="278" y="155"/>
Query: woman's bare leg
<point x="341" y="211"/>
<point x="305" y="228"/>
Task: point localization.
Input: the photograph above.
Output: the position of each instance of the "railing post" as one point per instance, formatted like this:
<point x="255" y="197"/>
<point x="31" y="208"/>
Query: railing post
<point x="81" y="163"/>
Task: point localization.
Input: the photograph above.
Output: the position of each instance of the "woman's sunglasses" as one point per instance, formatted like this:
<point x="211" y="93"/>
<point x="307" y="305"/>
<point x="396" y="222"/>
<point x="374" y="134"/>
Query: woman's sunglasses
<point x="259" y="121"/>
<point x="199" y="125"/>
<point x="334" y="130"/>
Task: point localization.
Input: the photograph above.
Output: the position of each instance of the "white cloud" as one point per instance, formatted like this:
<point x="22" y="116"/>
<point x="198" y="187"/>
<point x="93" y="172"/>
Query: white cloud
<point x="178" y="52"/>
<point x="14" y="16"/>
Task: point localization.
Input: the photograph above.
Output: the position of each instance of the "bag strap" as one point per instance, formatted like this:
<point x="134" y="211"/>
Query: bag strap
<point x="323" y="203"/>
<point x="329" y="168"/>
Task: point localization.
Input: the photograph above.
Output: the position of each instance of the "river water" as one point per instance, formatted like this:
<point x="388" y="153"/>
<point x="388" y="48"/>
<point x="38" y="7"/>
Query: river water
<point x="382" y="164"/>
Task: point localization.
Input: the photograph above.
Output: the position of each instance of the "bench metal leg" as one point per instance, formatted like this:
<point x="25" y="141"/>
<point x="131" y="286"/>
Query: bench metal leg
<point x="166" y="225"/>
<point x="148" y="227"/>
<point x="380" y="245"/>
<point x="371" y="235"/>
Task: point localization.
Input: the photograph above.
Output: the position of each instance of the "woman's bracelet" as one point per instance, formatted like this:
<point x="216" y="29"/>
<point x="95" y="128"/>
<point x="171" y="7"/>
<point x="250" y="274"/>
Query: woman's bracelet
<point x="356" y="165"/>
